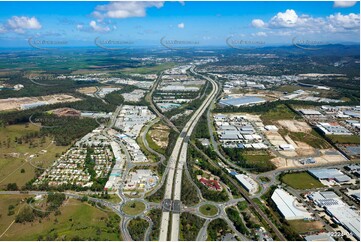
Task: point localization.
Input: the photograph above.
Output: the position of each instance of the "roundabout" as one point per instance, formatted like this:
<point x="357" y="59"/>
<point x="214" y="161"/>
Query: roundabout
<point x="208" y="210"/>
<point x="133" y="207"/>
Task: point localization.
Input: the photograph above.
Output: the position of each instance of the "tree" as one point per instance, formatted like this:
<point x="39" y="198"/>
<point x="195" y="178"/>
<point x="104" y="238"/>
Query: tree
<point x="12" y="187"/>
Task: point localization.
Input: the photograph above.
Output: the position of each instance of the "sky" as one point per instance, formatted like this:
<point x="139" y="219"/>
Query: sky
<point x="202" y="23"/>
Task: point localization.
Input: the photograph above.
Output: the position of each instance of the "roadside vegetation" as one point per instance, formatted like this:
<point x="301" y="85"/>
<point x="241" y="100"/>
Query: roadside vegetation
<point x="216" y="229"/>
<point x="137" y="228"/>
<point x="156" y="216"/>
<point x="189" y="226"/>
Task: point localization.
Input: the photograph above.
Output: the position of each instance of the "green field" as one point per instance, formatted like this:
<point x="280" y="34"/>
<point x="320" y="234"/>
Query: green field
<point x="278" y="113"/>
<point x="15" y="156"/>
<point x="133" y="207"/>
<point x="302" y="226"/>
<point x="208" y="210"/>
<point x="77" y="221"/>
<point x="313" y="139"/>
<point x="301" y="180"/>
<point x="149" y="70"/>
<point x="344" y="139"/>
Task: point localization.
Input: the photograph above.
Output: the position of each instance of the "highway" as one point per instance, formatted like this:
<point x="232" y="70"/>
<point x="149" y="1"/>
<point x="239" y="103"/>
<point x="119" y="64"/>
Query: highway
<point x="179" y="153"/>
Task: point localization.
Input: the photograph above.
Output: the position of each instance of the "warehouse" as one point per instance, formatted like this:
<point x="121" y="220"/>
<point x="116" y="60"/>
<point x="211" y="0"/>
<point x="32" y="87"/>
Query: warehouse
<point x="310" y="112"/>
<point x="333" y="128"/>
<point x="329" y="174"/>
<point x="287" y="205"/>
<point x="339" y="211"/>
<point x="248" y="183"/>
<point x="242" y="101"/>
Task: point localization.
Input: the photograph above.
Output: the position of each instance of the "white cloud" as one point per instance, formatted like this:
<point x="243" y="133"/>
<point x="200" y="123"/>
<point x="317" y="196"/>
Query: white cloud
<point x="258" y="23"/>
<point x="306" y="24"/>
<point x="181" y="25"/>
<point x="124" y="9"/>
<point x="344" y="4"/>
<point x="79" y="26"/>
<point x="350" y="21"/>
<point x="260" y="34"/>
<point x="2" y="29"/>
<point x="286" y="19"/>
<point x="98" y="28"/>
<point x="22" y="23"/>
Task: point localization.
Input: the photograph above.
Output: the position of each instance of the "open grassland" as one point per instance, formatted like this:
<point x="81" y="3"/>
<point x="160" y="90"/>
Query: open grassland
<point x="20" y="159"/>
<point x="303" y="227"/>
<point x="312" y="138"/>
<point x="301" y="180"/>
<point x="157" y="137"/>
<point x="149" y="70"/>
<point x="77" y="221"/>
<point x="278" y="113"/>
<point x="7" y="215"/>
<point x="344" y="139"/>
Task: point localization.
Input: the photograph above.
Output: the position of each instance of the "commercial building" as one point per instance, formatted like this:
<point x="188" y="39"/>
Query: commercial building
<point x="288" y="206"/>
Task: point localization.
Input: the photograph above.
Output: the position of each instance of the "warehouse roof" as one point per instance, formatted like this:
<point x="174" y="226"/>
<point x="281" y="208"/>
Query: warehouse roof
<point x="286" y="204"/>
<point x="245" y="100"/>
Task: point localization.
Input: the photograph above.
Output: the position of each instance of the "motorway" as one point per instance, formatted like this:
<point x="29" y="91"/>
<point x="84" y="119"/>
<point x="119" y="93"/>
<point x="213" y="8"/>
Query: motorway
<point x="179" y="155"/>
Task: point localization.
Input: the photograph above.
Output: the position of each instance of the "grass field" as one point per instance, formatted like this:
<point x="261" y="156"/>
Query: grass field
<point x="5" y="218"/>
<point x="133" y="207"/>
<point x="14" y="156"/>
<point x="302" y="226"/>
<point x="258" y="159"/>
<point x="149" y="70"/>
<point x="281" y="112"/>
<point x="344" y="139"/>
<point x="301" y="180"/>
<point x="208" y="210"/>
<point x="158" y="134"/>
<point x="313" y="139"/>
<point x="79" y="221"/>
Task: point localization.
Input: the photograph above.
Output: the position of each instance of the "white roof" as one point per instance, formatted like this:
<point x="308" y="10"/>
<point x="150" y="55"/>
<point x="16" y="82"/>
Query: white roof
<point x="286" y="205"/>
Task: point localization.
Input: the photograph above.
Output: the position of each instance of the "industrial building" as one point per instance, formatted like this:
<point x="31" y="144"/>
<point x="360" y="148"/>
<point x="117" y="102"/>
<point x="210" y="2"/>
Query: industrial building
<point x="339" y="211"/>
<point x="309" y="112"/>
<point x="329" y="174"/>
<point x="248" y="183"/>
<point x="333" y="129"/>
<point x="319" y="237"/>
<point x="288" y="206"/>
<point x="242" y="101"/>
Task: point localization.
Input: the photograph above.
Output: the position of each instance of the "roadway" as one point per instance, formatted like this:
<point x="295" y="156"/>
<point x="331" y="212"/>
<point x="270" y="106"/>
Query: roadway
<point x="179" y="155"/>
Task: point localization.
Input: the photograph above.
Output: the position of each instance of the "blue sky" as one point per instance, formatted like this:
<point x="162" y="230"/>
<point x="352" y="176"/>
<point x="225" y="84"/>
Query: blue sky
<point x="209" y="23"/>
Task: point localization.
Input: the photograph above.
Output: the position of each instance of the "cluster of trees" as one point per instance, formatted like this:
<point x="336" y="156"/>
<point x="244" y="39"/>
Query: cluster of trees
<point x="190" y="225"/>
<point x="65" y="129"/>
<point x="155" y="215"/>
<point x="233" y="215"/>
<point x="137" y="228"/>
<point x="55" y="200"/>
<point x="189" y="194"/>
<point x="201" y="130"/>
<point x="216" y="229"/>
